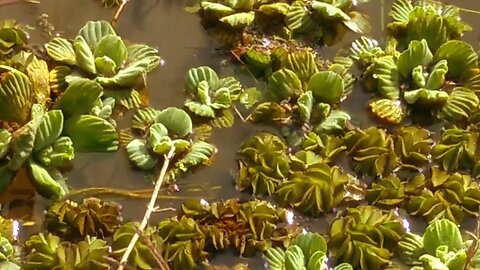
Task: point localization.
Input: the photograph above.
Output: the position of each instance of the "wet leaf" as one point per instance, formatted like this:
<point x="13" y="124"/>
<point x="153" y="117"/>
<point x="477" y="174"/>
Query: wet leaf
<point x="91" y="133"/>
<point x="45" y="184"/>
<point x="16" y="96"/>
<point x="138" y="153"/>
<point x="94" y="31"/>
<point x="461" y="58"/>
<point x="177" y="121"/>
<point x="92" y="217"/>
<point x="326" y="86"/>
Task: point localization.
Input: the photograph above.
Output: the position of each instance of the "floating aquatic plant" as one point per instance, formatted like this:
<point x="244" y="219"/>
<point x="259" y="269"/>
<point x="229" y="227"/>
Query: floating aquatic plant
<point x="141" y="256"/>
<point x="210" y="96"/>
<point x="315" y="191"/>
<point x="99" y="53"/>
<point x="434" y="250"/>
<point x="166" y="129"/>
<point x="307" y="251"/>
<point x="50" y="252"/>
<point x="430" y="20"/>
<point x="265" y="164"/>
<point x="200" y="227"/>
<point x="418" y="79"/>
<point x="447" y="196"/>
<point x="12" y="36"/>
<point x="413" y="145"/>
<point x="387" y="192"/>
<point x="92" y="217"/>
<point x="372" y="151"/>
<point x="325" y="21"/>
<point x="365" y="237"/>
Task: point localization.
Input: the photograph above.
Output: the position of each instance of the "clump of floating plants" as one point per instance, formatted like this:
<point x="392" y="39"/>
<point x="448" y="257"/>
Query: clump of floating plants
<point x="314" y="160"/>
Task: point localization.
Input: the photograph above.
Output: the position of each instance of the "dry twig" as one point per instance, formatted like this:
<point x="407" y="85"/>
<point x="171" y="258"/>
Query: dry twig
<point x="150" y="208"/>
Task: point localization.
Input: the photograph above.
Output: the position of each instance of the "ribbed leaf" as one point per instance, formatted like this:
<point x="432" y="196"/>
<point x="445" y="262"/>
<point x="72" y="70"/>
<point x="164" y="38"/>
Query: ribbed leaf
<point x="298" y="19"/>
<point x="284" y="84"/>
<point x="16" y="96"/>
<point x="426" y="24"/>
<point x="401" y="10"/>
<point x="388" y="110"/>
<point x="417" y="54"/>
<point x="460" y="105"/>
<point x="5" y="138"/>
<point x="80" y="97"/>
<point x="435" y="233"/>
<point x="140" y="52"/>
<point x="84" y="55"/>
<point x="215" y="9"/>
<point x="129" y="98"/>
<point x="328" y="11"/>
<point x="177" y="121"/>
<point x="91" y="133"/>
<point x="196" y="75"/>
<point x="94" y="31"/>
<point x="49" y="130"/>
<point x="61" y="50"/>
<point x="22" y="143"/>
<point x="239" y="20"/>
<point x="336" y="121"/>
<point x="326" y="86"/>
<point x="303" y="63"/>
<point x="44" y="182"/>
<point x="461" y="58"/>
<point x="200" y="152"/>
<point x="224" y="119"/>
<point x="387" y="74"/>
<point x="305" y="105"/>
<point x="139" y="154"/>
<point x="143" y="118"/>
<point x="113" y="47"/>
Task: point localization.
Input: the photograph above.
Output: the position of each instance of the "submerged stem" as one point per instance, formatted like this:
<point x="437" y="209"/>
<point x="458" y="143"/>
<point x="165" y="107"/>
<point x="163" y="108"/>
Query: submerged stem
<point x="150" y="208"/>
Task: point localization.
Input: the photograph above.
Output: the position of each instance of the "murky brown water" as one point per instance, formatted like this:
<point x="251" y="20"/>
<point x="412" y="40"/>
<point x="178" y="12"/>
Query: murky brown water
<point x="183" y="44"/>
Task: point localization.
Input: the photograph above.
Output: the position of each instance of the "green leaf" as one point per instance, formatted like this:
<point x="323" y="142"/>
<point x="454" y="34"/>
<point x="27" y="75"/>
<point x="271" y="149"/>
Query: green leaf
<point x="91" y="133"/>
<point x="139" y="154"/>
<point x="303" y="63"/>
<point x="328" y="11"/>
<point x="105" y="66"/>
<point x="44" y="183"/>
<point x="127" y="76"/>
<point x="60" y="154"/>
<point x="49" y="130"/>
<point x="461" y="104"/>
<point x="294" y="258"/>
<point x="200" y="152"/>
<point x="336" y="121"/>
<point x="156" y="133"/>
<point x="84" y="55"/>
<point x="113" y="47"/>
<point x="239" y="20"/>
<point x="16" y="96"/>
<point x="298" y="18"/>
<point x="326" y="86"/>
<point x="177" y="121"/>
<point x="61" y="50"/>
<point x="436" y="79"/>
<point x="143" y="118"/>
<point x="310" y="243"/>
<point x="94" y="31"/>
<point x="199" y="74"/>
<point x="128" y="98"/>
<point x="425" y="23"/>
<point x="388" y="110"/>
<point x="401" y="10"/>
<point x="22" y="143"/>
<point x="215" y="9"/>
<point x="274" y="9"/>
<point x="435" y="236"/>
<point x="417" y="54"/>
<point x="275" y="258"/>
<point x="80" y="97"/>
<point x="387" y="75"/>
<point x="5" y="138"/>
<point x="461" y="58"/>
<point x="145" y="53"/>
<point x="284" y="84"/>
<point x="426" y="97"/>
<point x="305" y="105"/>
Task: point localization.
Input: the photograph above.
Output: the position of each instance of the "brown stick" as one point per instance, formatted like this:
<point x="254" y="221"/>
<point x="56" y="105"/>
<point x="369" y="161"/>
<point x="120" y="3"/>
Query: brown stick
<point x="119" y="11"/>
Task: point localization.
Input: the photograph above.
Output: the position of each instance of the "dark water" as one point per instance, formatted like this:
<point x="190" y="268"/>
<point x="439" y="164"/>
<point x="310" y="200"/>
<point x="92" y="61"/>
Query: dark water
<point x="183" y="44"/>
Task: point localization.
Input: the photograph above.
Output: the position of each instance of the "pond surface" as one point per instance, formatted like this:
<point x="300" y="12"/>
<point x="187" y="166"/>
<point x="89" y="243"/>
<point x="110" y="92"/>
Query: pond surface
<point x="183" y="44"/>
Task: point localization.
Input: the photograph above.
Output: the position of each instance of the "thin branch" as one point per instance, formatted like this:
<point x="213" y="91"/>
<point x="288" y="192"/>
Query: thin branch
<point x="150" y="208"/>
<point x="119" y="11"/>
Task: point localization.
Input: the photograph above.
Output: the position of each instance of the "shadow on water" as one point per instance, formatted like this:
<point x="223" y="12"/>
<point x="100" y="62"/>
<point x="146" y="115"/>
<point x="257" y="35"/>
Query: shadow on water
<point x="183" y="44"/>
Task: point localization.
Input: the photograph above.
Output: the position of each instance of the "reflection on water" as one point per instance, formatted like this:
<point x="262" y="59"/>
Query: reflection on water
<point x="183" y="44"/>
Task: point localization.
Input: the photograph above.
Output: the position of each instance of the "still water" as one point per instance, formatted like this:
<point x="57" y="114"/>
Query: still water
<point x="183" y="44"/>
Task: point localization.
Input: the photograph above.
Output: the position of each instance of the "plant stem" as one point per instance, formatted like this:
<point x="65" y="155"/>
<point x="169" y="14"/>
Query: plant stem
<point x="119" y="11"/>
<point x="150" y="208"/>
